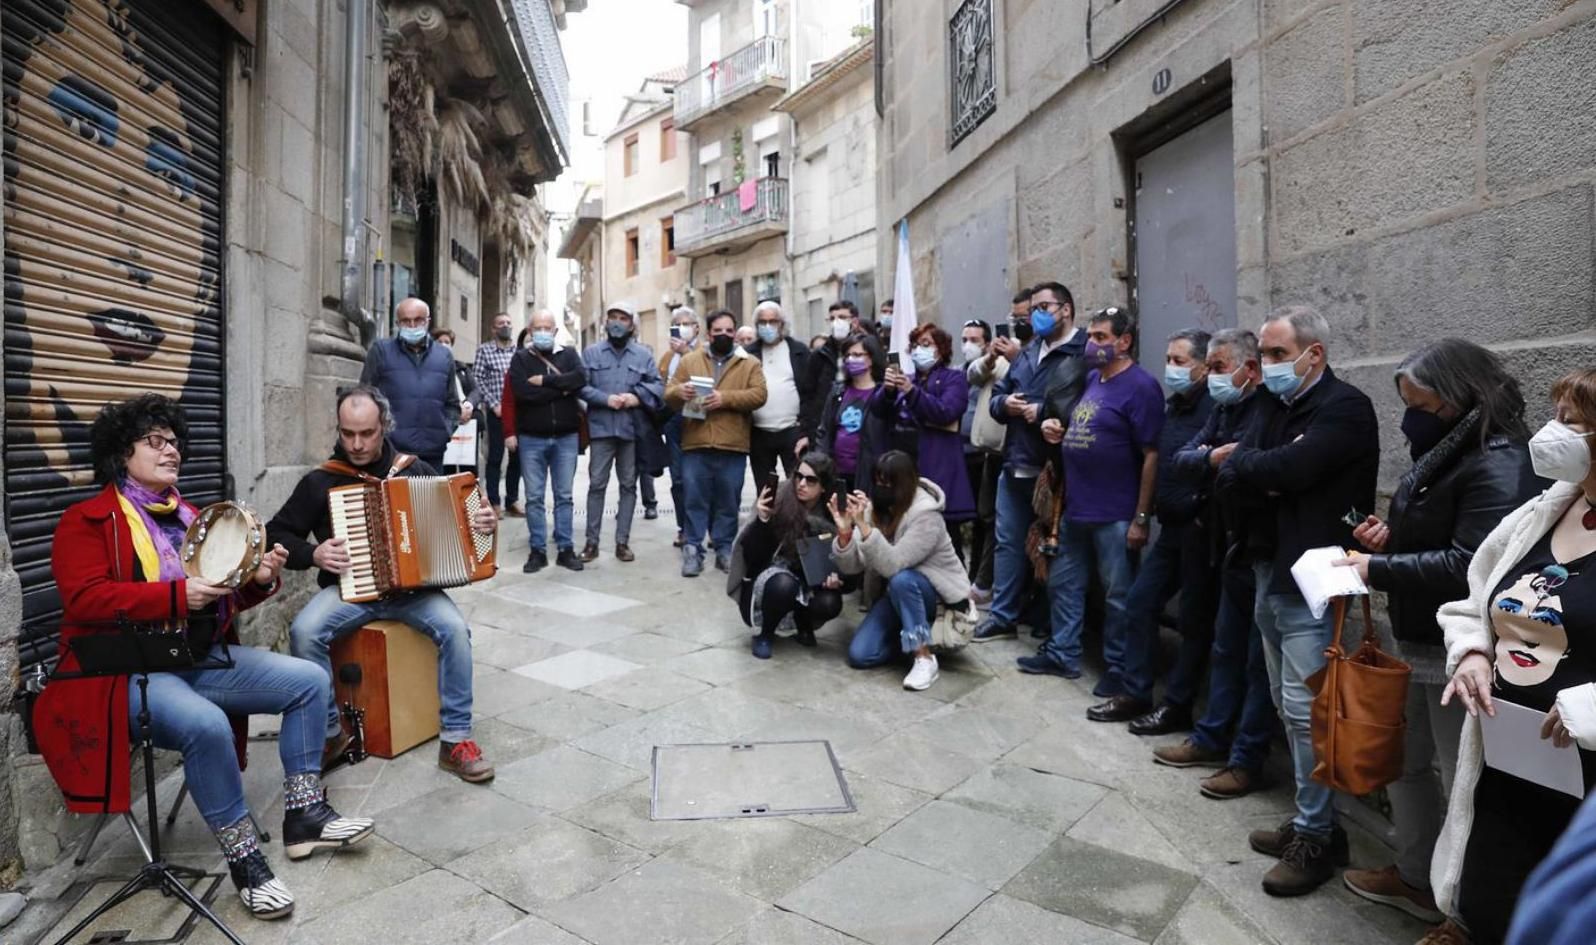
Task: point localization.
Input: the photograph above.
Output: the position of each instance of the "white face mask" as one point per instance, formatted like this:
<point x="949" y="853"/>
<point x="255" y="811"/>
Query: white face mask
<point x="1560" y="452"/>
<point x="972" y="350"/>
<point x="841" y="328"/>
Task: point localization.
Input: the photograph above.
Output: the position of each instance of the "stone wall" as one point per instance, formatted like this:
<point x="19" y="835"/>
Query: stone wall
<point x="1412" y="169"/>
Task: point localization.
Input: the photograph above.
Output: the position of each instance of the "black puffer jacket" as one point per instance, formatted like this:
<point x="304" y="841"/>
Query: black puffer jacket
<point x="1443" y="508"/>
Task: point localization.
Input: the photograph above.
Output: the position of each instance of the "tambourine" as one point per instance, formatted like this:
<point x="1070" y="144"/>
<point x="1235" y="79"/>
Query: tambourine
<point x="225" y="544"/>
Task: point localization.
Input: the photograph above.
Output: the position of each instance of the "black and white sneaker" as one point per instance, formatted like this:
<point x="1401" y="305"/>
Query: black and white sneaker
<point x="319" y="827"/>
<point x="263" y="894"/>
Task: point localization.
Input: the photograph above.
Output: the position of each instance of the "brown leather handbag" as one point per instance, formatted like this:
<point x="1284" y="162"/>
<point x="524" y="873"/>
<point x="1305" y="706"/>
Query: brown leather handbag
<point x="1359" y="710"/>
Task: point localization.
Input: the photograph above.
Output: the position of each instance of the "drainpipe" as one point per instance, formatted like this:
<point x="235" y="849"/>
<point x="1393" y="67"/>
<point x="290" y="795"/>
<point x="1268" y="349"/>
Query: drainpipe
<point x="352" y="283"/>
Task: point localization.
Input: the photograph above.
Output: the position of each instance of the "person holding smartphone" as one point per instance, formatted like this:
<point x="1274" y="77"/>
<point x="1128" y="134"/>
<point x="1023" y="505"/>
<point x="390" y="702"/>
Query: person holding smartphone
<point x="767" y="577"/>
<point x="925" y="410"/>
<point x="684" y="338"/>
<point x="983" y="447"/>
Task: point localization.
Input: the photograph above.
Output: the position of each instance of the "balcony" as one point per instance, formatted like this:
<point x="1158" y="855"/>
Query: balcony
<point x="734" y="220"/>
<point x="757" y="70"/>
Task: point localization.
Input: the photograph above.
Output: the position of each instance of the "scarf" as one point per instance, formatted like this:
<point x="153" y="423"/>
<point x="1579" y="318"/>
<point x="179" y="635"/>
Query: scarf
<point x="1464" y="434"/>
<point x="157" y="531"/>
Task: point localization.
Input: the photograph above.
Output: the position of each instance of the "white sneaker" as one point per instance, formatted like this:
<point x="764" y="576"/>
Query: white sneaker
<point x="923" y="674"/>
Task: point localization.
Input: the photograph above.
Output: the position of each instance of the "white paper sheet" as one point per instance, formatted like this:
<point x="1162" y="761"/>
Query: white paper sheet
<point x="1319" y="580"/>
<point x="462" y="448"/>
<point x="1513" y="744"/>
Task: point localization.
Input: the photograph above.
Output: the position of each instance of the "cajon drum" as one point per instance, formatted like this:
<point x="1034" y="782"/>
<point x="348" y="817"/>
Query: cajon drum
<point x="396" y="684"/>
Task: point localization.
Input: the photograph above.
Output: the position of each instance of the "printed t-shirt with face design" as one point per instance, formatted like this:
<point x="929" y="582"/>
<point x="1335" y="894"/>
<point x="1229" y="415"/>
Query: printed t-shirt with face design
<point x="1543" y="615"/>
<point x="850" y="418"/>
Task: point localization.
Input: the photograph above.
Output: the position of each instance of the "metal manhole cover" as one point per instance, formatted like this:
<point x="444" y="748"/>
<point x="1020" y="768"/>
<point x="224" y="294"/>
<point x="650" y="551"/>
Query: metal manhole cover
<point x="747" y="779"/>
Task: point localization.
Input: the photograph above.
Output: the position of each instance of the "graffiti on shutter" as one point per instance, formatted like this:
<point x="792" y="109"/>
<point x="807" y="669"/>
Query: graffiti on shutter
<point x="113" y="275"/>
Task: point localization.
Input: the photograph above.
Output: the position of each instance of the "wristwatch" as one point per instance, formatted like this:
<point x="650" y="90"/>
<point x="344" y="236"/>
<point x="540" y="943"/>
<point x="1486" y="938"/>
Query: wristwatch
<point x="1143" y="519"/>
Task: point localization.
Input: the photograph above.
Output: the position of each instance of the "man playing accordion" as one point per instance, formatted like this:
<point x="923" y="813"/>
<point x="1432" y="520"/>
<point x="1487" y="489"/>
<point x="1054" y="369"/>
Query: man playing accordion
<point x="364" y="422"/>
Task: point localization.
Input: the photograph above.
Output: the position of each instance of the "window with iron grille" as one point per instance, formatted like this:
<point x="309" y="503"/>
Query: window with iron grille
<point x="972" y="76"/>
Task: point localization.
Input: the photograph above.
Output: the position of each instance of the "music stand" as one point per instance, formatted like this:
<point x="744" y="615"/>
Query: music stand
<point x="135" y="654"/>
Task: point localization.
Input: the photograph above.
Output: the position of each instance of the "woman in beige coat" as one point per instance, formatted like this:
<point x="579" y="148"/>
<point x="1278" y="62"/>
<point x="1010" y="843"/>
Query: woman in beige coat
<point x="1526" y="635"/>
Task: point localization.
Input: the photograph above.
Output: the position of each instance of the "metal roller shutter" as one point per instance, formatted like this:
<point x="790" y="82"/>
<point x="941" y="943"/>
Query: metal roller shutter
<point x="113" y="271"/>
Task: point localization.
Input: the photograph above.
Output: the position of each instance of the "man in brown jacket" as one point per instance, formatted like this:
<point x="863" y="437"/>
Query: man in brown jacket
<point x="716" y="427"/>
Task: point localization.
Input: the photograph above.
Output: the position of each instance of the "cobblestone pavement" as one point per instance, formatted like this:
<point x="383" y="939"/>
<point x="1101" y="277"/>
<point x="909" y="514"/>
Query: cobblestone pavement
<point x="990" y="810"/>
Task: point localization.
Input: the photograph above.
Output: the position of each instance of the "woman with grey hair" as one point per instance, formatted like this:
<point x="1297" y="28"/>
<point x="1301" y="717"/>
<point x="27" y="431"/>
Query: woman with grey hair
<point x="1465" y="429"/>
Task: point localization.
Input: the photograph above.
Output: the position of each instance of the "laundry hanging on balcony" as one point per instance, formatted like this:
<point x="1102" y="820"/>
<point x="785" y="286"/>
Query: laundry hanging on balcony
<point x="748" y="195"/>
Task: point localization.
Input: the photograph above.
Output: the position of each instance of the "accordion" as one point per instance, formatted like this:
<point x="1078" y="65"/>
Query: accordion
<point x="408" y="534"/>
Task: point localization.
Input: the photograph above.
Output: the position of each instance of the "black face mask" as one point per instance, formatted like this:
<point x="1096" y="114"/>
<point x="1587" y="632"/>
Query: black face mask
<point x="1423" y="429"/>
<point x="721" y="345"/>
<point x="1022" y="329"/>
<point x="883" y="497"/>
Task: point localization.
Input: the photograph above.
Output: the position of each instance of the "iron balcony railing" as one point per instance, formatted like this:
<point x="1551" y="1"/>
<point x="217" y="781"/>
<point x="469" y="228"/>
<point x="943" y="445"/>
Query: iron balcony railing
<point x="762" y="62"/>
<point x="757" y="205"/>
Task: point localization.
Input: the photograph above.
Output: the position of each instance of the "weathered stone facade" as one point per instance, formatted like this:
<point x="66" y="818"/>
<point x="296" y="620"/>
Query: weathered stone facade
<point x="1413" y="170"/>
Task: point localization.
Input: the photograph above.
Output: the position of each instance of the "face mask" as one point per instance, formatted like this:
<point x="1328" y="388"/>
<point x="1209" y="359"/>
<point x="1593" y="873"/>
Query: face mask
<point x="503" y="334"/>
<point x="721" y="345"/>
<point x="1042" y="322"/>
<point x="1423" y="430"/>
<point x="1022" y="329"/>
<point x="923" y="358"/>
<point x="972" y="350"/>
<point x="768" y="334"/>
<point x="1281" y="379"/>
<point x="1177" y="379"/>
<point x="883" y="497"/>
<point x="617" y="330"/>
<point x="885" y="321"/>
<point x="841" y="328"/>
<point x="1100" y="355"/>
<point x="543" y="340"/>
<point x="1557" y="451"/>
<point x="857" y="366"/>
<point x="689" y="332"/>
<point x="1222" y="388"/>
<point x="413" y="336"/>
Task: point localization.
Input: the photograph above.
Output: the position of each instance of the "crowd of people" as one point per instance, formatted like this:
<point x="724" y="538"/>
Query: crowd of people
<point x="1037" y="476"/>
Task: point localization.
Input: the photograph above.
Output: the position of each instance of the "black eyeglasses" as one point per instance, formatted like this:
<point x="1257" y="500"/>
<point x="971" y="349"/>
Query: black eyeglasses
<point x="805" y="477"/>
<point x="157" y="442"/>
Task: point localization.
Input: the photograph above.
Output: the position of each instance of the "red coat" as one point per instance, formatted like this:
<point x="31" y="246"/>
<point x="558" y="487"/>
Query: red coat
<point x="82" y="724"/>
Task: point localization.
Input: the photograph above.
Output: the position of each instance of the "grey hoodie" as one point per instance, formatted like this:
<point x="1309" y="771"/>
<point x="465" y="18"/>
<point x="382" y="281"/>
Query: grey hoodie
<point x="922" y="543"/>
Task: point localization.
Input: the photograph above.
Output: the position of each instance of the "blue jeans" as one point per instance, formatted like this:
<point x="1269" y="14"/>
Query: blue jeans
<point x="673" y="441"/>
<point x="1081" y="546"/>
<point x="1238" y="681"/>
<point x="898" y="623"/>
<point x="326" y="618"/>
<point x="714" y="489"/>
<point x="188" y="713"/>
<point x="1177" y="562"/>
<point x="1011" y="569"/>
<point x="1293" y="648"/>
<point x="543" y="457"/>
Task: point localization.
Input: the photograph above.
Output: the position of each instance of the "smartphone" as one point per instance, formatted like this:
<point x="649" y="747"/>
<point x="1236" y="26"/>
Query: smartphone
<point x="677" y="331"/>
<point x="771" y="482"/>
<point x="1001" y="329"/>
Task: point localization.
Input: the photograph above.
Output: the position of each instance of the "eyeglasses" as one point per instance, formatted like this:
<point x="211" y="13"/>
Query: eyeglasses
<point x="157" y="442"/>
<point x="805" y="477"/>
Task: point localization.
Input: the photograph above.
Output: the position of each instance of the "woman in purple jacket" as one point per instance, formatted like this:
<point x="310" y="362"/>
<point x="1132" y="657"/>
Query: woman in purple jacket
<point x="925" y="410"/>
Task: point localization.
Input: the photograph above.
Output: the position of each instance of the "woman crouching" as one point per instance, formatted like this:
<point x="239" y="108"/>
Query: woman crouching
<point x="896" y="536"/>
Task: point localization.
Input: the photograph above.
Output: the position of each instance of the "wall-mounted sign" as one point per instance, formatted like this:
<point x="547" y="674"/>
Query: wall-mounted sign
<point x="1162" y="79"/>
<point x="464" y="258"/>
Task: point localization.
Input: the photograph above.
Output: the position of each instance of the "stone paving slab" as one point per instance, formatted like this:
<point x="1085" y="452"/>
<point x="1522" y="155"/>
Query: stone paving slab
<point x="973" y="845"/>
<point x="1105" y="887"/>
<point x="1009" y="921"/>
<point x="1045" y="801"/>
<point x="885" y="900"/>
<point x="561" y="778"/>
<point x="577" y="669"/>
<point x="432" y="908"/>
<point x="547" y="862"/>
<point x="447" y="824"/>
<point x="765" y="858"/>
<point x="661" y="902"/>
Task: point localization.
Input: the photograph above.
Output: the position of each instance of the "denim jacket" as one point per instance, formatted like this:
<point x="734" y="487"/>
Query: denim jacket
<point x="628" y="370"/>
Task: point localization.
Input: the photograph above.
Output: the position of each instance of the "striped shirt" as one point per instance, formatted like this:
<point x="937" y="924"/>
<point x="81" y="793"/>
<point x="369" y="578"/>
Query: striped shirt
<point x="493" y="360"/>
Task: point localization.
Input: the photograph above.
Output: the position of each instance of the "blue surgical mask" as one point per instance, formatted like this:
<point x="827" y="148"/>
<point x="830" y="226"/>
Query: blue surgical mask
<point x="769" y="334"/>
<point x="1177" y="379"/>
<point x="413" y="336"/>
<point x="617" y="330"/>
<point x="884" y="321"/>
<point x="1281" y="379"/>
<point x="1222" y="388"/>
<point x="1042" y="322"/>
<point x="923" y="357"/>
<point x="543" y="340"/>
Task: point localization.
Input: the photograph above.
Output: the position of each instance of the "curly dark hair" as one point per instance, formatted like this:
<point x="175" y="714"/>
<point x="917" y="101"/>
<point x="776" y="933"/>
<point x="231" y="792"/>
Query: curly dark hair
<point x="119" y="425"/>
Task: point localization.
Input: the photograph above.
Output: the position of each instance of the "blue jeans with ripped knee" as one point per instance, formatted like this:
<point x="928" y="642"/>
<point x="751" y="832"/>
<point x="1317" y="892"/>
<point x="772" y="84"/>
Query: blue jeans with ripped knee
<point x="898" y="623"/>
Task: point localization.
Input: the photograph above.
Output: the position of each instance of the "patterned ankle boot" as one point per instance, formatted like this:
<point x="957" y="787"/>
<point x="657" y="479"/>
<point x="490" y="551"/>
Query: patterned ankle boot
<point x="263" y="894"/>
<point x="310" y="823"/>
